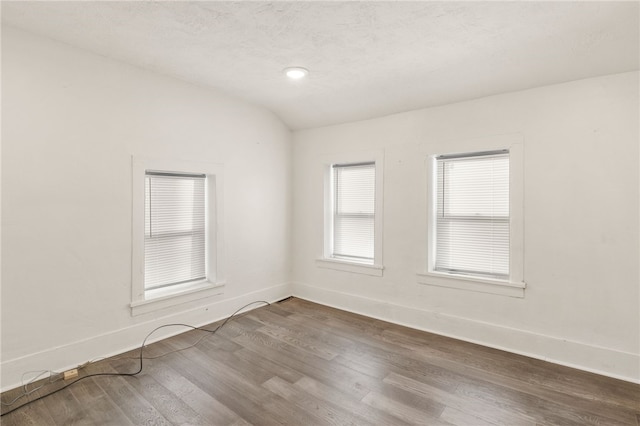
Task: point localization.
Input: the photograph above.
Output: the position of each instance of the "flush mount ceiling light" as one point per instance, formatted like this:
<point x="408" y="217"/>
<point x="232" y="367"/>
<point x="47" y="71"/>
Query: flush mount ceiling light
<point x="296" y="73"/>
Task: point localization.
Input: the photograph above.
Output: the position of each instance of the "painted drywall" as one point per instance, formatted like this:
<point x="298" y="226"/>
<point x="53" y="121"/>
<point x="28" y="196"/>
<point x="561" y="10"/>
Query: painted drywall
<point x="71" y="122"/>
<point x="581" y="248"/>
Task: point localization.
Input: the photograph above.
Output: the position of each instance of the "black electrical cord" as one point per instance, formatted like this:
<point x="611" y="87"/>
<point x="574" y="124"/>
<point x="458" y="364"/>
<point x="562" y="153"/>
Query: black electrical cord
<point x="212" y="332"/>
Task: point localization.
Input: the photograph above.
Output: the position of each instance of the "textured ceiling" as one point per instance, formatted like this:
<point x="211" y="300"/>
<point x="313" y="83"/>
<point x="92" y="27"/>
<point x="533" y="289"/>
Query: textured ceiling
<point x="366" y="59"/>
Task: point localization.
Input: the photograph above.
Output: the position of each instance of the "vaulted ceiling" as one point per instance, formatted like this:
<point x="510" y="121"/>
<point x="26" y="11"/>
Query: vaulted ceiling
<point x="366" y="59"/>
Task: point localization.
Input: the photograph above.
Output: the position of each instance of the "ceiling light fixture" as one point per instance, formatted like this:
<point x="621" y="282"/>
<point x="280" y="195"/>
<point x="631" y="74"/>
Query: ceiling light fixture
<point x="296" y="73"/>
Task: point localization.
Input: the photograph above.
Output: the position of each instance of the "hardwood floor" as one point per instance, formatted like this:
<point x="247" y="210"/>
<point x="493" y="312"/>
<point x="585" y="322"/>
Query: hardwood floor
<point x="300" y="363"/>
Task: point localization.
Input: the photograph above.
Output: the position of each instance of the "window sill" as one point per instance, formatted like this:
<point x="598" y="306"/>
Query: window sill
<point x="502" y="288"/>
<point x="164" y="298"/>
<point x="343" y="265"/>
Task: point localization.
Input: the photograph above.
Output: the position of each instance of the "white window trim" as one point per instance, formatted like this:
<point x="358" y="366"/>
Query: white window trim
<point x="343" y="265"/>
<point x="515" y="285"/>
<point x="480" y="285"/>
<point x="153" y="300"/>
<point x="326" y="260"/>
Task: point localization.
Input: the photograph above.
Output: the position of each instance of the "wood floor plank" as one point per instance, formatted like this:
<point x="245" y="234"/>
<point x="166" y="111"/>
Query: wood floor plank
<point x="460" y="418"/>
<point x="409" y="414"/>
<point x="424" y="403"/>
<point x="327" y="413"/>
<point x="238" y="401"/>
<point x="299" y="363"/>
<point x="243" y="394"/>
<point x="543" y="411"/>
<point x="318" y="368"/>
<point x="276" y="369"/>
<point x="346" y="401"/>
<point x="302" y="341"/>
<point x="210" y="410"/>
<point x="168" y="404"/>
<point x="252" y="371"/>
<point x="101" y="408"/>
<point x="134" y="406"/>
<point x="35" y="413"/>
<point x="487" y="412"/>
<point x="65" y="408"/>
<point x="303" y="328"/>
<point x="239" y="422"/>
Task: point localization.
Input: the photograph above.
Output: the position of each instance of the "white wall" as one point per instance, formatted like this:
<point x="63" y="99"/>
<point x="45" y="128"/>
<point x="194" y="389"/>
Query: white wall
<point x="581" y="248"/>
<point x="71" y="122"/>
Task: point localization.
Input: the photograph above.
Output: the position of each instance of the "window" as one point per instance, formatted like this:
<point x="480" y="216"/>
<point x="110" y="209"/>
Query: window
<point x="177" y="233"/>
<point x="475" y="229"/>
<point x="353" y="214"/>
<point x="174" y="229"/>
<point x="472" y="214"/>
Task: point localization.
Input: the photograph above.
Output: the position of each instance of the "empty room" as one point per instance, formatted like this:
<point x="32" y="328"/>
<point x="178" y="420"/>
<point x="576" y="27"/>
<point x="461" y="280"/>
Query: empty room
<point x="313" y="213"/>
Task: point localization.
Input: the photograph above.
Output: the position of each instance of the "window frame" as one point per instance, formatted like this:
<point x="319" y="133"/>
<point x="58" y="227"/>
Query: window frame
<point x="336" y="214"/>
<point x="444" y="218"/>
<point x="142" y="300"/>
<point x="327" y="260"/>
<point x="160" y="238"/>
<point x="514" y="285"/>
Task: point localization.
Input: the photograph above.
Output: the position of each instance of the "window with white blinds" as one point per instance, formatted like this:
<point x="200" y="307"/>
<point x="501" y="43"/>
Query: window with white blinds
<point x="472" y="214"/>
<point x="354" y="211"/>
<point x="175" y="231"/>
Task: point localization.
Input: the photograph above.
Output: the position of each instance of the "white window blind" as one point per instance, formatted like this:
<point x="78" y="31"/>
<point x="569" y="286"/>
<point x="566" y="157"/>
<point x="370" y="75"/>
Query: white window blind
<point x="472" y="218"/>
<point x="174" y="243"/>
<point x="354" y="212"/>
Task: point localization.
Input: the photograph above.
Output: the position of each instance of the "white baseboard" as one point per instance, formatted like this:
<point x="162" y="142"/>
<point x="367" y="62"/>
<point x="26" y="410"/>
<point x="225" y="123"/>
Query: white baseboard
<point x="595" y="359"/>
<point x="70" y="355"/>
